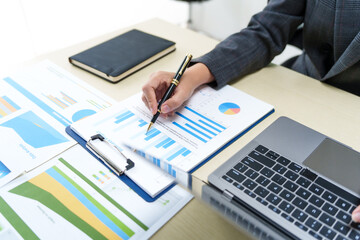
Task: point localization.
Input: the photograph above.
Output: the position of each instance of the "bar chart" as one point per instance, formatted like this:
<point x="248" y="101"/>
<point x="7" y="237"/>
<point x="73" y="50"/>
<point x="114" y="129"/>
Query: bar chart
<point x="7" y="106"/>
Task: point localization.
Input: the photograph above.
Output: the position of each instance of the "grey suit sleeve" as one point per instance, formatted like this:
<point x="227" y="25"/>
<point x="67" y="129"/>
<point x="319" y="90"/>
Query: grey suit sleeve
<point x="255" y="46"/>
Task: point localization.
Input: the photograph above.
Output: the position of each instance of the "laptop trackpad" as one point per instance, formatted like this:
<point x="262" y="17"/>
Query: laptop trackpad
<point x="337" y="162"/>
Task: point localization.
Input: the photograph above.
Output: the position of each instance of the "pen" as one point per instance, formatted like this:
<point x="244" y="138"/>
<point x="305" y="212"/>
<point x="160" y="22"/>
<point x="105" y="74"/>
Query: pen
<point x="175" y="81"/>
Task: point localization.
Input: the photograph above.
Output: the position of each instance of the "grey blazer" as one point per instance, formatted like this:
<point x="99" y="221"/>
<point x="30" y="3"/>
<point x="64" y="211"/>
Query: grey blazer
<point x="330" y="39"/>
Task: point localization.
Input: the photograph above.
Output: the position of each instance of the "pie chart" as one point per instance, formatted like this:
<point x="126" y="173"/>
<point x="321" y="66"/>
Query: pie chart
<point x="229" y="108"/>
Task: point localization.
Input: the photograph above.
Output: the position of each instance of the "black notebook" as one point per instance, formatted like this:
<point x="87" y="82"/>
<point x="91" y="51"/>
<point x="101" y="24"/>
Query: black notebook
<point x="121" y="56"/>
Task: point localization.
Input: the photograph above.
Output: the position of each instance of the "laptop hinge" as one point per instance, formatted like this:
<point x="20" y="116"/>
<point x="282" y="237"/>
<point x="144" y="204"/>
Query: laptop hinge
<point x="228" y="195"/>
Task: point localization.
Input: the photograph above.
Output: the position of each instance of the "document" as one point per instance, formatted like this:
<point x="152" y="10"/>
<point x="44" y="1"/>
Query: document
<point x="74" y="196"/>
<point x="36" y="104"/>
<point x="201" y="127"/>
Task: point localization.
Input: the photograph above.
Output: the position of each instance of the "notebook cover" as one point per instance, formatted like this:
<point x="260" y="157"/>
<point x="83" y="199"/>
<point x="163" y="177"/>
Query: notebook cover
<point x="122" y="53"/>
<point x="123" y="177"/>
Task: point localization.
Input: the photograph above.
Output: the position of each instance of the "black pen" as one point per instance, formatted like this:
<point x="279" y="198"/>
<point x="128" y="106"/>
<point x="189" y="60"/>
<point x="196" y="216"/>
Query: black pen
<point x="175" y="81"/>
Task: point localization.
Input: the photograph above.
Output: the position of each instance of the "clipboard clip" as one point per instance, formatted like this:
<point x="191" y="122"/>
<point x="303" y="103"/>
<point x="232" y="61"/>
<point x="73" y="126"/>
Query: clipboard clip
<point x="107" y="161"/>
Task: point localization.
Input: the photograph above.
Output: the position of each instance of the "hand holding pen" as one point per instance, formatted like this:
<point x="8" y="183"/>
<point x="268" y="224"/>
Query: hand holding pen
<point x="174" y="83"/>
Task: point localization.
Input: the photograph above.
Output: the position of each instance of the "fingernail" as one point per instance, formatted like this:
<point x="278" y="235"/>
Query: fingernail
<point x="356" y="217"/>
<point x="165" y="109"/>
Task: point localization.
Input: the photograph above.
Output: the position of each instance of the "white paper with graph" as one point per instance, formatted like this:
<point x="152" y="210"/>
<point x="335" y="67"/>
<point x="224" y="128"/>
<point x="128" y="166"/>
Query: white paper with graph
<point x="203" y="125"/>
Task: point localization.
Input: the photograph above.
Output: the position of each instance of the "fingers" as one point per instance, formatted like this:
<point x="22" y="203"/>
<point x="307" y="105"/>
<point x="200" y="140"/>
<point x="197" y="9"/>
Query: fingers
<point x="356" y="214"/>
<point x="149" y="98"/>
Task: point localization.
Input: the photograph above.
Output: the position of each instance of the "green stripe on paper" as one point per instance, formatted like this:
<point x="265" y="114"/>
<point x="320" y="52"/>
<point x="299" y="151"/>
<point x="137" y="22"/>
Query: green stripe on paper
<point x="106" y="212"/>
<point x="20" y="226"/>
<point x="31" y="191"/>
<point x="116" y="204"/>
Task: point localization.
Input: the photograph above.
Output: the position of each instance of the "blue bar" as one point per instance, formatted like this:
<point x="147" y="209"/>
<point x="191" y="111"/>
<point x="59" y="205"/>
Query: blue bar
<point x="186" y="153"/>
<point x="11" y="102"/>
<point x="150" y="132"/>
<point x="125" y="125"/>
<point x="142" y="124"/>
<point x="209" y="125"/>
<point x="174" y="173"/>
<point x="169" y="169"/>
<point x="124" y="118"/>
<point x="152" y="135"/>
<point x="153" y="143"/>
<point x="154" y="160"/>
<point x="38" y="102"/>
<point x="123" y="114"/>
<point x="191" y="110"/>
<point x="163" y="142"/>
<point x="176" y="154"/>
<point x="169" y="144"/>
<point x="158" y="162"/>
<point x="188" y="131"/>
<point x="186" y="118"/>
<point x="197" y="130"/>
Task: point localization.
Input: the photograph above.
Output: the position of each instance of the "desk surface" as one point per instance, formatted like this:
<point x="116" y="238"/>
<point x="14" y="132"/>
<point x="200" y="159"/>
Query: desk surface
<point x="329" y="110"/>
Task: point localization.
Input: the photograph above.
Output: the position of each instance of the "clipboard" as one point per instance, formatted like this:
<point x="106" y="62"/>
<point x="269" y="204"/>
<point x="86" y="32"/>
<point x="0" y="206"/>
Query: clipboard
<point x="130" y="183"/>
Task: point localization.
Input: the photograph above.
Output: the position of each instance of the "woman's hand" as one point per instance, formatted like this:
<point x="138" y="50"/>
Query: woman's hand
<point x="159" y="82"/>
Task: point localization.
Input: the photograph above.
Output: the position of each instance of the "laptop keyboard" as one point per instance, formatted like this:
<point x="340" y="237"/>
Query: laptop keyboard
<point x="300" y="196"/>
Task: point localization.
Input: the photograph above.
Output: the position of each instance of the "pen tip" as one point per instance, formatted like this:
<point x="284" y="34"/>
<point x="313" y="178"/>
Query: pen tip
<point x="149" y="127"/>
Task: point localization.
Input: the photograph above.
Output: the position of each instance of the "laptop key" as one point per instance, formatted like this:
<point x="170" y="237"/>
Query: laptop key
<point x="252" y="163"/>
<point x="329" y="196"/>
<point x="341" y="228"/>
<point x="228" y="179"/>
<point x="267" y="172"/>
<point x="278" y="179"/>
<point x="290" y="186"/>
<point x="251" y="194"/>
<point x="262" y="159"/>
<point x="325" y="218"/>
<point x="316" y="201"/>
<point x="300" y="203"/>
<point x="330" y="209"/>
<point x="241" y="167"/>
<point x="283" y="161"/>
<point x="280" y="169"/>
<point x="313" y="211"/>
<point x="345" y="217"/>
<point x="339" y="237"/>
<point x="287" y="195"/>
<point x="316" y="189"/>
<point x="301" y="226"/>
<point x="238" y="185"/>
<point x="295" y="167"/>
<point x="315" y="235"/>
<point x="273" y="199"/>
<point x="308" y="174"/>
<point x="274" y="188"/>
<point x="261" y="149"/>
<point x="342" y="204"/>
<point x="354" y="235"/>
<point x="287" y="207"/>
<point x="327" y="232"/>
<point x="275" y="209"/>
<point x="262" y="201"/>
<point x="355" y="225"/>
<point x="262" y="181"/>
<point x="313" y="224"/>
<point x="262" y="192"/>
<point x="303" y="193"/>
<point x="287" y="217"/>
<point x="291" y="175"/>
<point x="249" y="184"/>
<point x="303" y="182"/>
<point x="251" y="174"/>
<point x="236" y="175"/>
<point x="273" y="155"/>
<point x="299" y="215"/>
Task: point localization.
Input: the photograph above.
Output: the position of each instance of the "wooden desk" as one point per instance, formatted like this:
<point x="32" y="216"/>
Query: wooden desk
<point x="319" y="106"/>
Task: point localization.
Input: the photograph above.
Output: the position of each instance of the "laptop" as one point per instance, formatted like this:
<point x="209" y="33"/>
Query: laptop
<point x="295" y="182"/>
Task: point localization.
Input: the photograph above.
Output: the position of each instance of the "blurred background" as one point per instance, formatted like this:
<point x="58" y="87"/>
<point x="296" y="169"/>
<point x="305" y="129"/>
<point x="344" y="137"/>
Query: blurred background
<point x="33" y="27"/>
